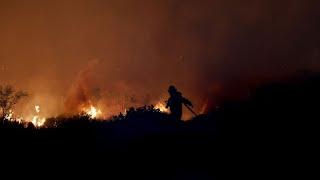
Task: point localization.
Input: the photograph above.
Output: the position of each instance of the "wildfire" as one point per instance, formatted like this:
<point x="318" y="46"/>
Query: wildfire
<point x="37" y="120"/>
<point x="37" y="108"/>
<point x="9" y="116"/>
<point x="161" y="106"/>
<point x="93" y="112"/>
<point x="19" y="119"/>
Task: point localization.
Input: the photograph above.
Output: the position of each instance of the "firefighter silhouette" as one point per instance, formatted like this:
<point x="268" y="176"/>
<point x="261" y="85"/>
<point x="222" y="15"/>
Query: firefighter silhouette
<point x="175" y="102"/>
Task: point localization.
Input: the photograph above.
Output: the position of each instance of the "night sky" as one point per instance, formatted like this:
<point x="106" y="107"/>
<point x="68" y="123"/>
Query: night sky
<point x="118" y="53"/>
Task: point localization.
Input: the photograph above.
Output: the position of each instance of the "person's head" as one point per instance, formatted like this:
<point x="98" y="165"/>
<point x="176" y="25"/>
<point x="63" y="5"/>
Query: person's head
<point x="172" y="90"/>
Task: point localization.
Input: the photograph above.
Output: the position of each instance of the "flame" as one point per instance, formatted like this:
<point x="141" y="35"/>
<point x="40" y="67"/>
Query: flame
<point x="37" y="107"/>
<point x="37" y="120"/>
<point x="9" y="116"/>
<point x="161" y="107"/>
<point x="19" y="119"/>
<point x="93" y="112"/>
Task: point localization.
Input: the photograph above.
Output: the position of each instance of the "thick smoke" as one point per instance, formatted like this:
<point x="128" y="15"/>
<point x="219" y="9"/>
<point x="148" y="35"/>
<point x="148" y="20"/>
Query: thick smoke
<point x="210" y="49"/>
<point x="83" y="92"/>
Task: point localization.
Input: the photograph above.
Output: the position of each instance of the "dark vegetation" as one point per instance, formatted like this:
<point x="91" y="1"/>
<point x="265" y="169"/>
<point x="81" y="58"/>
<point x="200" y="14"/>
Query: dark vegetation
<point x="276" y="125"/>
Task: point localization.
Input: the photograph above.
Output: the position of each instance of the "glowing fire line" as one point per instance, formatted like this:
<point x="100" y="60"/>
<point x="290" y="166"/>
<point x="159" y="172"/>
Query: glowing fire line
<point x="161" y="106"/>
<point x="92" y="111"/>
<point x="37" y="120"/>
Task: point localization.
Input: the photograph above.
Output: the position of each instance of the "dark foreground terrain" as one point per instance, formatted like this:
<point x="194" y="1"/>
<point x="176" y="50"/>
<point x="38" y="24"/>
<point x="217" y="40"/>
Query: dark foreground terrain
<point x="272" y="134"/>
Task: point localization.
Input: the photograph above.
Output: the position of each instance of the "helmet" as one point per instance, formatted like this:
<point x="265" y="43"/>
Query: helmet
<point x="172" y="89"/>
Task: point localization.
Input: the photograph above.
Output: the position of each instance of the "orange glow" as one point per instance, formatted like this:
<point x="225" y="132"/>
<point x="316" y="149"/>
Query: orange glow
<point x="162" y="107"/>
<point x="9" y="116"/>
<point x="93" y="112"/>
<point x="37" y="120"/>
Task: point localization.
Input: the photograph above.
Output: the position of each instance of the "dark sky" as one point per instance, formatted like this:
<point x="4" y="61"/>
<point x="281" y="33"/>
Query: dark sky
<point x="111" y="51"/>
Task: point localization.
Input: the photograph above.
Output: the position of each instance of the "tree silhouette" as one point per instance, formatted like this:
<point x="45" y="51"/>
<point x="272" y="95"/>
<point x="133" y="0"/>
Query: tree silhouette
<point x="8" y="98"/>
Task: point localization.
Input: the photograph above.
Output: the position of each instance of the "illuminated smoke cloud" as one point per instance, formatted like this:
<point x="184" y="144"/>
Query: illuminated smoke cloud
<point x="145" y="46"/>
